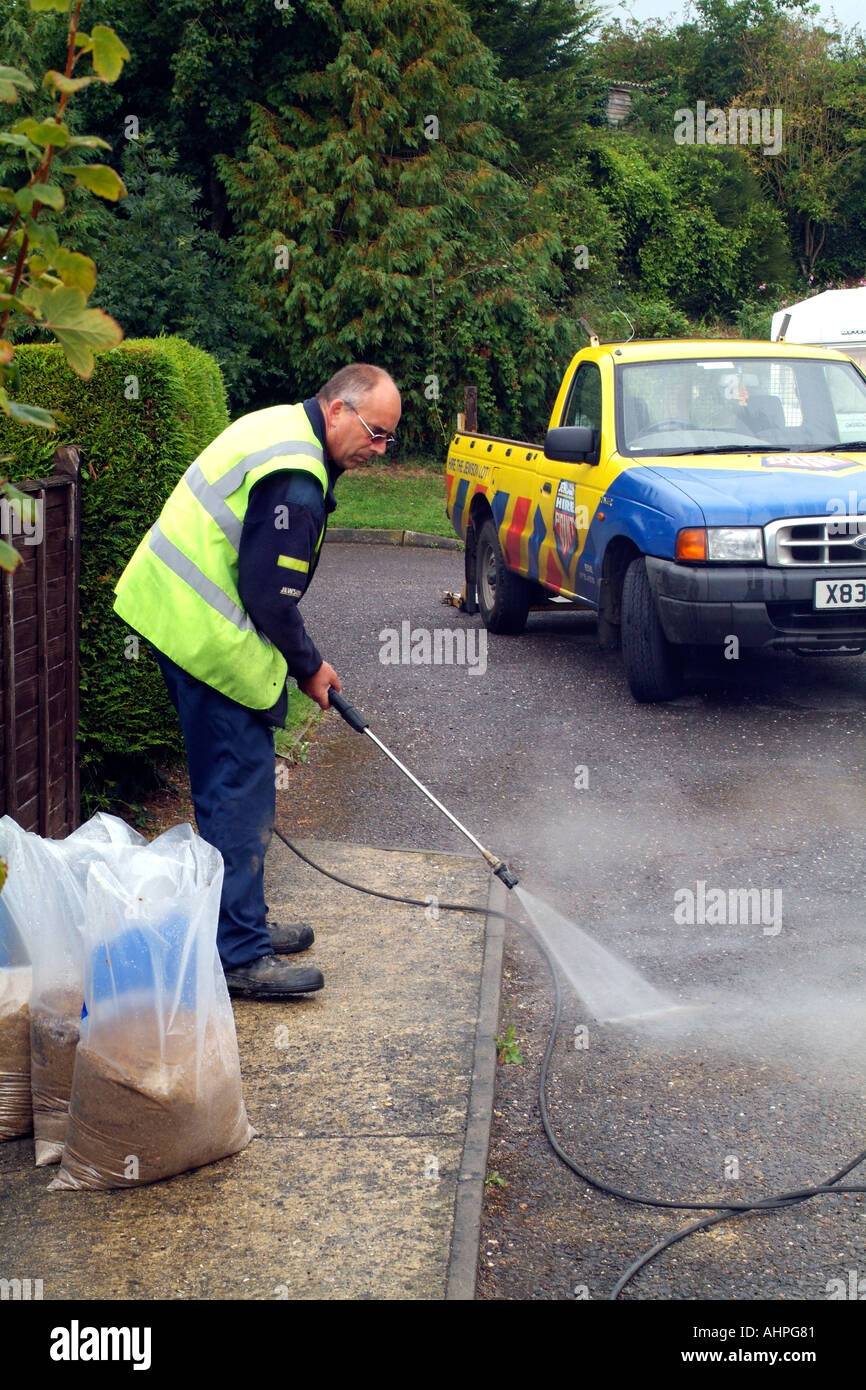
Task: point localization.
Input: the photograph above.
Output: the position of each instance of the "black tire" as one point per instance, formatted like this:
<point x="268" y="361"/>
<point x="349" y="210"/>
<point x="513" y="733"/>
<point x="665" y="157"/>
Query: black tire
<point x="503" y="597"/>
<point x="653" y="665"/>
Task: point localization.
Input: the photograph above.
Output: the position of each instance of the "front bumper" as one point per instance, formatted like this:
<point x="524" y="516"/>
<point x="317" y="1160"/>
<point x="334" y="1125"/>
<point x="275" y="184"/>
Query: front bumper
<point x="762" y="606"/>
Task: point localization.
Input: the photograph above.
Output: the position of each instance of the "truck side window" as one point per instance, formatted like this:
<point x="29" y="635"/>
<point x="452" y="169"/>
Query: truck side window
<point x="583" y="406"/>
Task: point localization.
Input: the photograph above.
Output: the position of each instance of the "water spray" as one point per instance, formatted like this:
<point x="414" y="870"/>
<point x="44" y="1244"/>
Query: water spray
<point x="618" y="995"/>
<point x="357" y="721"/>
<point x="612" y="990"/>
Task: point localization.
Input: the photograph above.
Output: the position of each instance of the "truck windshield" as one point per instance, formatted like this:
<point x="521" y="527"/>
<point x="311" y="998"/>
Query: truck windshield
<point x="719" y="405"/>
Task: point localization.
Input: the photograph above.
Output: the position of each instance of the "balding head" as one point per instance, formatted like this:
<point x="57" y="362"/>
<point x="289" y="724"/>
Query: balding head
<point x="357" y="399"/>
<point x="353" y="383"/>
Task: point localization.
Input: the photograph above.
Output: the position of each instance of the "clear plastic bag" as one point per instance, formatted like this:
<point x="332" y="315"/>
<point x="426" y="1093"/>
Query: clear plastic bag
<point x="47" y="887"/>
<point x="157" y="1084"/>
<point x="102" y="829"/>
<point x="57" y="957"/>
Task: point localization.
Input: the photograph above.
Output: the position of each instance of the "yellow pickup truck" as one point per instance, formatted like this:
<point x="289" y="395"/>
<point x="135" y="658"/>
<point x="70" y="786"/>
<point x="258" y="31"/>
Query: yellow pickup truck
<point x="706" y="492"/>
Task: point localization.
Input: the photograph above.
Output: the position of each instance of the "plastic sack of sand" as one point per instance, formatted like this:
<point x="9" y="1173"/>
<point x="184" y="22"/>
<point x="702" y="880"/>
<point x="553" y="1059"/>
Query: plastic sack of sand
<point x="16" y="1113"/>
<point x="157" y="1084"/>
<point x="51" y="912"/>
<point x="57" y="958"/>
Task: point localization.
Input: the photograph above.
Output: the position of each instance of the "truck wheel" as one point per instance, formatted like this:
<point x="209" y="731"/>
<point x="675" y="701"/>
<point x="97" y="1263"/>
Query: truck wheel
<point x="653" y="665"/>
<point x="503" y="597"/>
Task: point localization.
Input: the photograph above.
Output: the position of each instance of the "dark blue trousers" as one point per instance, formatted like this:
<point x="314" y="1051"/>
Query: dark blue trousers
<point x="230" y="753"/>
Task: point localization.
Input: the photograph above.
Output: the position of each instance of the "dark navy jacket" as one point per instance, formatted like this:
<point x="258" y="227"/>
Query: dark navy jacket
<point x="284" y="516"/>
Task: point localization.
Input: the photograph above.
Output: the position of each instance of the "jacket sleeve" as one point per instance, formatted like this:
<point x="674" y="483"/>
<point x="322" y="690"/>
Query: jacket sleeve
<point x="275" y="560"/>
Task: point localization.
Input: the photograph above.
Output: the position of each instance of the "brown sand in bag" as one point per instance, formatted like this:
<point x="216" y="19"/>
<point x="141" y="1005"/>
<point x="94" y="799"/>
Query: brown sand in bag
<point x="54" y="1024"/>
<point x="141" y="1116"/>
<point x="16" y="1111"/>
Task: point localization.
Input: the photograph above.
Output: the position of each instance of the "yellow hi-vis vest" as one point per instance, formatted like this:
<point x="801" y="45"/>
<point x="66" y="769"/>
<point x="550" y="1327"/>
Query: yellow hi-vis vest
<point x="180" y="589"/>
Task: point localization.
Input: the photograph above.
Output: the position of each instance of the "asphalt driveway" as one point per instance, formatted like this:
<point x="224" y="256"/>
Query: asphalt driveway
<point x="627" y="818"/>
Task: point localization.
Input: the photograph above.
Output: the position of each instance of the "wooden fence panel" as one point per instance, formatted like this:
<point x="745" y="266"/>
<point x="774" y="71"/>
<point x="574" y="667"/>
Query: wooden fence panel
<point x="39" y="779"/>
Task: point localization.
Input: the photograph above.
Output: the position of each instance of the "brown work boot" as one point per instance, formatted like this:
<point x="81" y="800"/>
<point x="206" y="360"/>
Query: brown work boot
<point x="268" y="978"/>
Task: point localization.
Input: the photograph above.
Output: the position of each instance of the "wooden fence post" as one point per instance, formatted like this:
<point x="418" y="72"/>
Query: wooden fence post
<point x="471" y="414"/>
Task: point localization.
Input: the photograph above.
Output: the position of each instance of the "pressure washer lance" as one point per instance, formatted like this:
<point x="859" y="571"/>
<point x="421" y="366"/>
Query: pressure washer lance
<point x="357" y="721"/>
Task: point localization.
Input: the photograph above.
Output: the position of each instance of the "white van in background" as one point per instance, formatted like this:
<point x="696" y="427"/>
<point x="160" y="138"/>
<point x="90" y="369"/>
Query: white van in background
<point x="834" y="319"/>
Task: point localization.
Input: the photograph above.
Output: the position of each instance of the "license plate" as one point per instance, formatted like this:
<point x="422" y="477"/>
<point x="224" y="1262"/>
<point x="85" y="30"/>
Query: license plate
<point x="840" y="593"/>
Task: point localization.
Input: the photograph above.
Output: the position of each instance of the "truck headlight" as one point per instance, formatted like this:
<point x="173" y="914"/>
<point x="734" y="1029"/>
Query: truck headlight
<point x="743" y="543"/>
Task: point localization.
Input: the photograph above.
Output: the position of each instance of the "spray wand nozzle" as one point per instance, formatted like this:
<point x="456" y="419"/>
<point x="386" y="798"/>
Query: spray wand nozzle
<point x="357" y="721"/>
<point x="500" y="868"/>
<point x="508" y="878"/>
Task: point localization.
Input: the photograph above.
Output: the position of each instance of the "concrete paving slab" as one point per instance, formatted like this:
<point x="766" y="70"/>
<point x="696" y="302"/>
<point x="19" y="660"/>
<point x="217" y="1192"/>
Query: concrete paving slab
<point x="372" y="1100"/>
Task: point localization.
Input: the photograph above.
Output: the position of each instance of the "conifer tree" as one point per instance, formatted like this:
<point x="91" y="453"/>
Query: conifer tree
<point x="377" y="220"/>
<point x="544" y="51"/>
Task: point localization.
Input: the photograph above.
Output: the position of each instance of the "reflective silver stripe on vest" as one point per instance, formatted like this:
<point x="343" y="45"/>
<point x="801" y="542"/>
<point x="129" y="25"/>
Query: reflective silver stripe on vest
<point x="206" y="589"/>
<point x="231" y="481"/>
<point x="213" y="504"/>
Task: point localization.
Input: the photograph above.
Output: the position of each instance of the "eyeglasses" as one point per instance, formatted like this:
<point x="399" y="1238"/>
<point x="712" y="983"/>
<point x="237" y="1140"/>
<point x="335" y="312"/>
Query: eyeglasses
<point x="390" y="439"/>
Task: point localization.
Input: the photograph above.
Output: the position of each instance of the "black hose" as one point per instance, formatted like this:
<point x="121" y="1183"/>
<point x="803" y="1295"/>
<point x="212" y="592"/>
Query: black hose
<point x="727" y="1210"/>
<point x="393" y="897"/>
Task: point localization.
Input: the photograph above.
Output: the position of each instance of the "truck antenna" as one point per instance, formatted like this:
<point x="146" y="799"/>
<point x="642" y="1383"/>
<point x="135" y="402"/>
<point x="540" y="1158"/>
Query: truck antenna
<point x="628" y="321"/>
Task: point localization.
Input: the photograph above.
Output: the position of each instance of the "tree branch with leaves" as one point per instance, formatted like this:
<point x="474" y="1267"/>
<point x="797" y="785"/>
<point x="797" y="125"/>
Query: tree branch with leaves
<point x="43" y="283"/>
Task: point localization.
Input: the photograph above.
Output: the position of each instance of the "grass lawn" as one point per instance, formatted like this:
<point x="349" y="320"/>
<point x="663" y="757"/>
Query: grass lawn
<point x="405" y="495"/>
<point x="303" y="714"/>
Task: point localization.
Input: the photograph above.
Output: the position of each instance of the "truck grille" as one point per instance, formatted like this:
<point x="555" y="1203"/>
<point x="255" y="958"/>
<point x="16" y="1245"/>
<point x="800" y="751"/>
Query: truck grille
<point x="816" y="540"/>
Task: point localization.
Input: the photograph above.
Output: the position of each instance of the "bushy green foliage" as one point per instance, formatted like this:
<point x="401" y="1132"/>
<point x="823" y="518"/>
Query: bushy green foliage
<point x="773" y="55"/>
<point x="592" y="240"/>
<point x="201" y="64"/>
<point x="163" y="272"/>
<point x="148" y="410"/>
<point x="616" y="313"/>
<point x="754" y="320"/>
<point x="695" y="229"/>
<point x="818" y="83"/>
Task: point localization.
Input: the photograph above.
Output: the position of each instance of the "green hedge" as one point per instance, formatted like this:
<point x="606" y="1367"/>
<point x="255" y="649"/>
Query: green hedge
<point x="133" y="450"/>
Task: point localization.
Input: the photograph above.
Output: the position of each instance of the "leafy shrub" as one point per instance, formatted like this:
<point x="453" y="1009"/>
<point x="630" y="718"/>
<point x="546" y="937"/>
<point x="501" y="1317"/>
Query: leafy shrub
<point x="150" y="407"/>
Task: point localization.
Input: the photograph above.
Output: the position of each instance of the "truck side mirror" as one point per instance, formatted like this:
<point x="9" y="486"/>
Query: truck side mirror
<point x="570" y="444"/>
